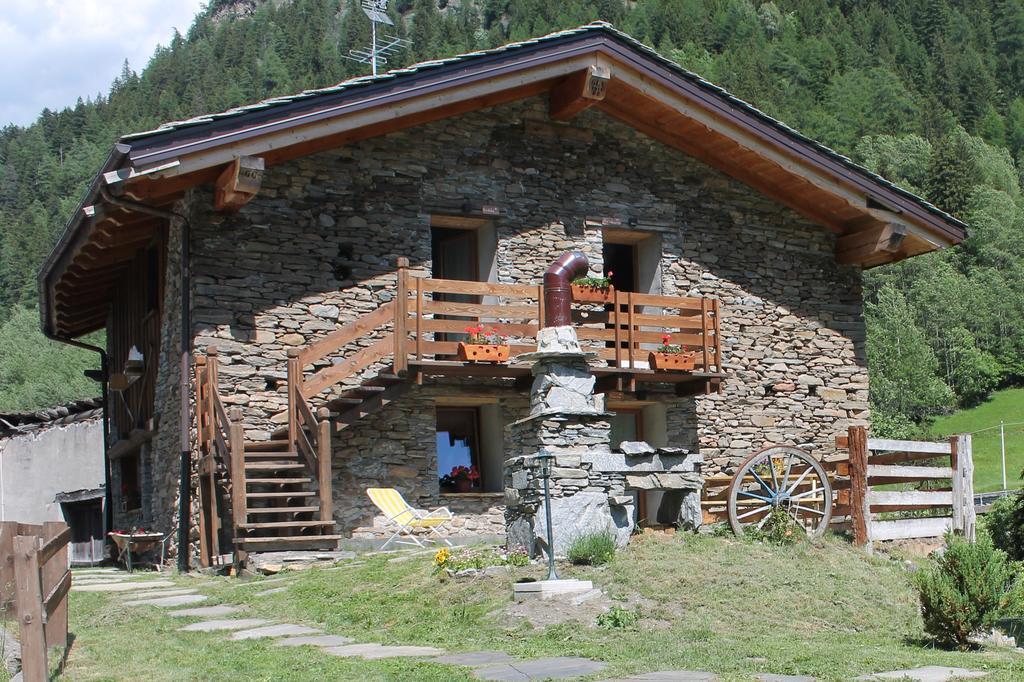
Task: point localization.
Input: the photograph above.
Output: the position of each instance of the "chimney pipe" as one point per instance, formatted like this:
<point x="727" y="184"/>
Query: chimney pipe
<point x="557" y="289"/>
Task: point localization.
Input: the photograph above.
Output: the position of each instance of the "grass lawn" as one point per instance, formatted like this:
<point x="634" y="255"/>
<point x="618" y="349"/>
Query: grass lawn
<point x="720" y="604"/>
<point x="1006" y="406"/>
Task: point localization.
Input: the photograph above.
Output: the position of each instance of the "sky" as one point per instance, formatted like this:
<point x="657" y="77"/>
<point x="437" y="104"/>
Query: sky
<point x="54" y="51"/>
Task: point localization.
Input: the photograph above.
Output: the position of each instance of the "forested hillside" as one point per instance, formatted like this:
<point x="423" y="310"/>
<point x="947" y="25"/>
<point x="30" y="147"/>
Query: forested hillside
<point x="929" y="93"/>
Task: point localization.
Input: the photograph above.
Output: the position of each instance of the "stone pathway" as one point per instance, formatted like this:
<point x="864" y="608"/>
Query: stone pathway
<point x="137" y="589"/>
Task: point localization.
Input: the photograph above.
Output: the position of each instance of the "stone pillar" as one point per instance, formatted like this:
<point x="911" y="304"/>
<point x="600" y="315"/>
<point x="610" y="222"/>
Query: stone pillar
<point x="565" y="422"/>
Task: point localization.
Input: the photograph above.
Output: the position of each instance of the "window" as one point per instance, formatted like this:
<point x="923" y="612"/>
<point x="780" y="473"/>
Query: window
<point x="131" y="483"/>
<point x="470" y="443"/>
<point x="626" y="425"/>
<point x="458" y="449"/>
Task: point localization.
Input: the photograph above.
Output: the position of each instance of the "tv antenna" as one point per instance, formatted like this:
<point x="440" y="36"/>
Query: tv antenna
<point x="382" y="46"/>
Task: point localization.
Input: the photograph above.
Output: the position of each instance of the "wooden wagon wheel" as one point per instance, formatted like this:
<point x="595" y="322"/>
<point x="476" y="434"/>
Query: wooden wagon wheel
<point x="780" y="477"/>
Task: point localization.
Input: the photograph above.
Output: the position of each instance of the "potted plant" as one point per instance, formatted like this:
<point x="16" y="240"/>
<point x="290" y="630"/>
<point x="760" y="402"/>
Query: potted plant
<point x="461" y="478"/>
<point x="672" y="357"/>
<point x="484" y="345"/>
<point x="593" y="289"/>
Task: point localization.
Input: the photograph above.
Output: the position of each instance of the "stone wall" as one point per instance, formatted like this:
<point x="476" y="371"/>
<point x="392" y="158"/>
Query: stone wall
<point x="317" y="248"/>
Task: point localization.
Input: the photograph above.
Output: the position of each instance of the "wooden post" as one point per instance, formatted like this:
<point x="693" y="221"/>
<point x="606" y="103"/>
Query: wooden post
<point x="718" y="337"/>
<point x="294" y="395"/>
<point x="964" y="515"/>
<point x="401" y="362"/>
<point x="540" y="308"/>
<point x="8" y="529"/>
<point x="212" y="387"/>
<point x="860" y="511"/>
<point x="419" y="319"/>
<point x="237" y="445"/>
<point x="201" y="425"/>
<point x="618" y="330"/>
<point x="29" y="605"/>
<point x="324" y="459"/>
<point x="629" y="321"/>
<point x="52" y="573"/>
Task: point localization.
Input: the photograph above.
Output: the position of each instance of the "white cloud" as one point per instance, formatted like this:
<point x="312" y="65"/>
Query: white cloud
<point x="54" y="51"/>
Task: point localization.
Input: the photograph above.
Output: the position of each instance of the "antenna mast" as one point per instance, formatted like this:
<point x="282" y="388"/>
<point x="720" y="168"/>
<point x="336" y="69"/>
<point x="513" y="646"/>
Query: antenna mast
<point x="382" y="46"/>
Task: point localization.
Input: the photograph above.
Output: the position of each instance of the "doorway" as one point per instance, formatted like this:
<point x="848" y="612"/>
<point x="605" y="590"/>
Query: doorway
<point x="85" y="517"/>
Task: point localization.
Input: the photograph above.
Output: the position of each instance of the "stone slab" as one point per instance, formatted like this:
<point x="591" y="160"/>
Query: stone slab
<point x="212" y="625"/>
<point x="162" y="593"/>
<point x="401" y="651"/>
<point x="314" y="640"/>
<point x="671" y="676"/>
<point x="558" y="668"/>
<point x="931" y="673"/>
<point x="206" y="611"/>
<point x="772" y="677"/>
<point x="549" y="588"/>
<point x="272" y="590"/>
<point x="180" y="600"/>
<point x="122" y="586"/>
<point x="351" y="650"/>
<point x="474" y="658"/>
<point x="282" y="630"/>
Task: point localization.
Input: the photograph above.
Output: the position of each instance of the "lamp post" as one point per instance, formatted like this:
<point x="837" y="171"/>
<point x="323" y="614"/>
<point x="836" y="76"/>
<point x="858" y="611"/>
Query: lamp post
<point x="545" y="473"/>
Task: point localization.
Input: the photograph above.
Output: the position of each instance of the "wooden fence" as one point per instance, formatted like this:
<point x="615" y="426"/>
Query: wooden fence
<point x="35" y="581"/>
<point x="875" y="464"/>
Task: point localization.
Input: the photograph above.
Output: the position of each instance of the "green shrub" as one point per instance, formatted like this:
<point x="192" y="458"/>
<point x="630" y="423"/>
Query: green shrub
<point x="965" y="590"/>
<point x="1005" y="523"/>
<point x="618" y="618"/>
<point x="592" y="549"/>
<point x="778" y="529"/>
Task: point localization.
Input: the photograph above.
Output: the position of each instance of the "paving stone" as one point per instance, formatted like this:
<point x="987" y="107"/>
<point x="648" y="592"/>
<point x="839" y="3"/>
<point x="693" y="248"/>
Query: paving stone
<point x="211" y="625"/>
<point x="314" y="640"/>
<point x="273" y="590"/>
<point x="539" y="669"/>
<point x="162" y="593"/>
<point x="282" y="630"/>
<point x="352" y="649"/>
<point x="931" y="673"/>
<point x="122" y="586"/>
<point x="206" y="611"/>
<point x="671" y="676"/>
<point x="475" y="658"/>
<point x="180" y="600"/>
<point x="398" y="651"/>
<point x="772" y="677"/>
<point x="109" y="578"/>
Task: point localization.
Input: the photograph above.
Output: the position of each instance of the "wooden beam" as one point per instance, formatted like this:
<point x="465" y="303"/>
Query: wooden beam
<point x="884" y="240"/>
<point x="238" y="183"/>
<point x="579" y="91"/>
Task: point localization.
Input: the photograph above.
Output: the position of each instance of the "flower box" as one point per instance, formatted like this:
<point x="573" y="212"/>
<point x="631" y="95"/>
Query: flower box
<point x="672" y="362"/>
<point x="480" y="352"/>
<point x="585" y="294"/>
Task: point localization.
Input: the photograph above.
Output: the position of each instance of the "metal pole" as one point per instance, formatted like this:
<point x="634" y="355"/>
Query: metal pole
<point x="1002" y="447"/>
<point x="373" y="46"/>
<point x="546" y="474"/>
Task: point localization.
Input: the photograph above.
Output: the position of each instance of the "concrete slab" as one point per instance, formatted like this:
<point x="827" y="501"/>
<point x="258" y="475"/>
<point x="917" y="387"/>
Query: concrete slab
<point x="772" y="677"/>
<point x="206" y="611"/>
<point x="671" y="676"/>
<point x="122" y="586"/>
<point x="314" y="640"/>
<point x="545" y="589"/>
<point x="282" y="630"/>
<point x="558" y="668"/>
<point x="474" y="658"/>
<point x="931" y="673"/>
<point x="165" y="602"/>
<point x="212" y="625"/>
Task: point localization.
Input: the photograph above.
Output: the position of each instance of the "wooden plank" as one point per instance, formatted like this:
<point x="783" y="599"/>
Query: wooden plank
<point x="458" y="286"/>
<point x="964" y="513"/>
<point x="578" y="91"/>
<point x="8" y="529"/>
<point x="430" y="324"/>
<point x="688" y="341"/>
<point x="29" y="608"/>
<point x="400" y="358"/>
<point x="915" y="473"/>
<point x="910" y="497"/>
<point x="324" y="462"/>
<point x="53" y="600"/>
<point x="681" y="303"/>
<point x="352" y="331"/>
<point x="498" y="312"/>
<point x="237" y="443"/>
<point x="353" y="363"/>
<point x="238" y="183"/>
<point x="903" y="457"/>
<point x="690" y="323"/>
<point x="905" y="529"/>
<point x="860" y="510"/>
<point x="884" y="444"/>
<point x="55" y="543"/>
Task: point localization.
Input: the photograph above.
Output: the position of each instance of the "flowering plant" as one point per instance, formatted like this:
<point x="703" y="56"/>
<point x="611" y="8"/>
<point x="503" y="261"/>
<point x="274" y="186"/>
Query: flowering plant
<point x="668" y="347"/>
<point x="595" y="282"/>
<point x="480" y="336"/>
<point x="460" y="473"/>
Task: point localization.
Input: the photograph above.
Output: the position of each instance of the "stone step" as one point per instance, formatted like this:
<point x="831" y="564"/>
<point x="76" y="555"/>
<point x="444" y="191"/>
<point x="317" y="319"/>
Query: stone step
<point x="286" y="524"/>
<point x="273" y="456"/>
<point x="278" y="495"/>
<point x="287" y="543"/>
<point x="278" y="445"/>
<point x="282" y="510"/>
<point x="274" y="466"/>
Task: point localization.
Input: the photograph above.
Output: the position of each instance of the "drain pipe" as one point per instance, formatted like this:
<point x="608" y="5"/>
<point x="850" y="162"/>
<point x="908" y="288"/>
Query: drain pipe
<point x="185" y="418"/>
<point x="102" y="376"/>
<point x="558" y="289"/>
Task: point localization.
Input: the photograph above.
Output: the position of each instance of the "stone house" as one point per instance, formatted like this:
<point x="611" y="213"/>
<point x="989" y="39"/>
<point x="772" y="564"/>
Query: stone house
<point x="338" y="243"/>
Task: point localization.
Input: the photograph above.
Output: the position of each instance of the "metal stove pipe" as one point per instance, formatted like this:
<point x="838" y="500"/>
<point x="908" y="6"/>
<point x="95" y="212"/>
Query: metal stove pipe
<point x="558" y="290"/>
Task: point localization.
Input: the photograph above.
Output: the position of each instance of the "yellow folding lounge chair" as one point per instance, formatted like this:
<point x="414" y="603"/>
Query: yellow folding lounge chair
<point x="398" y="512"/>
